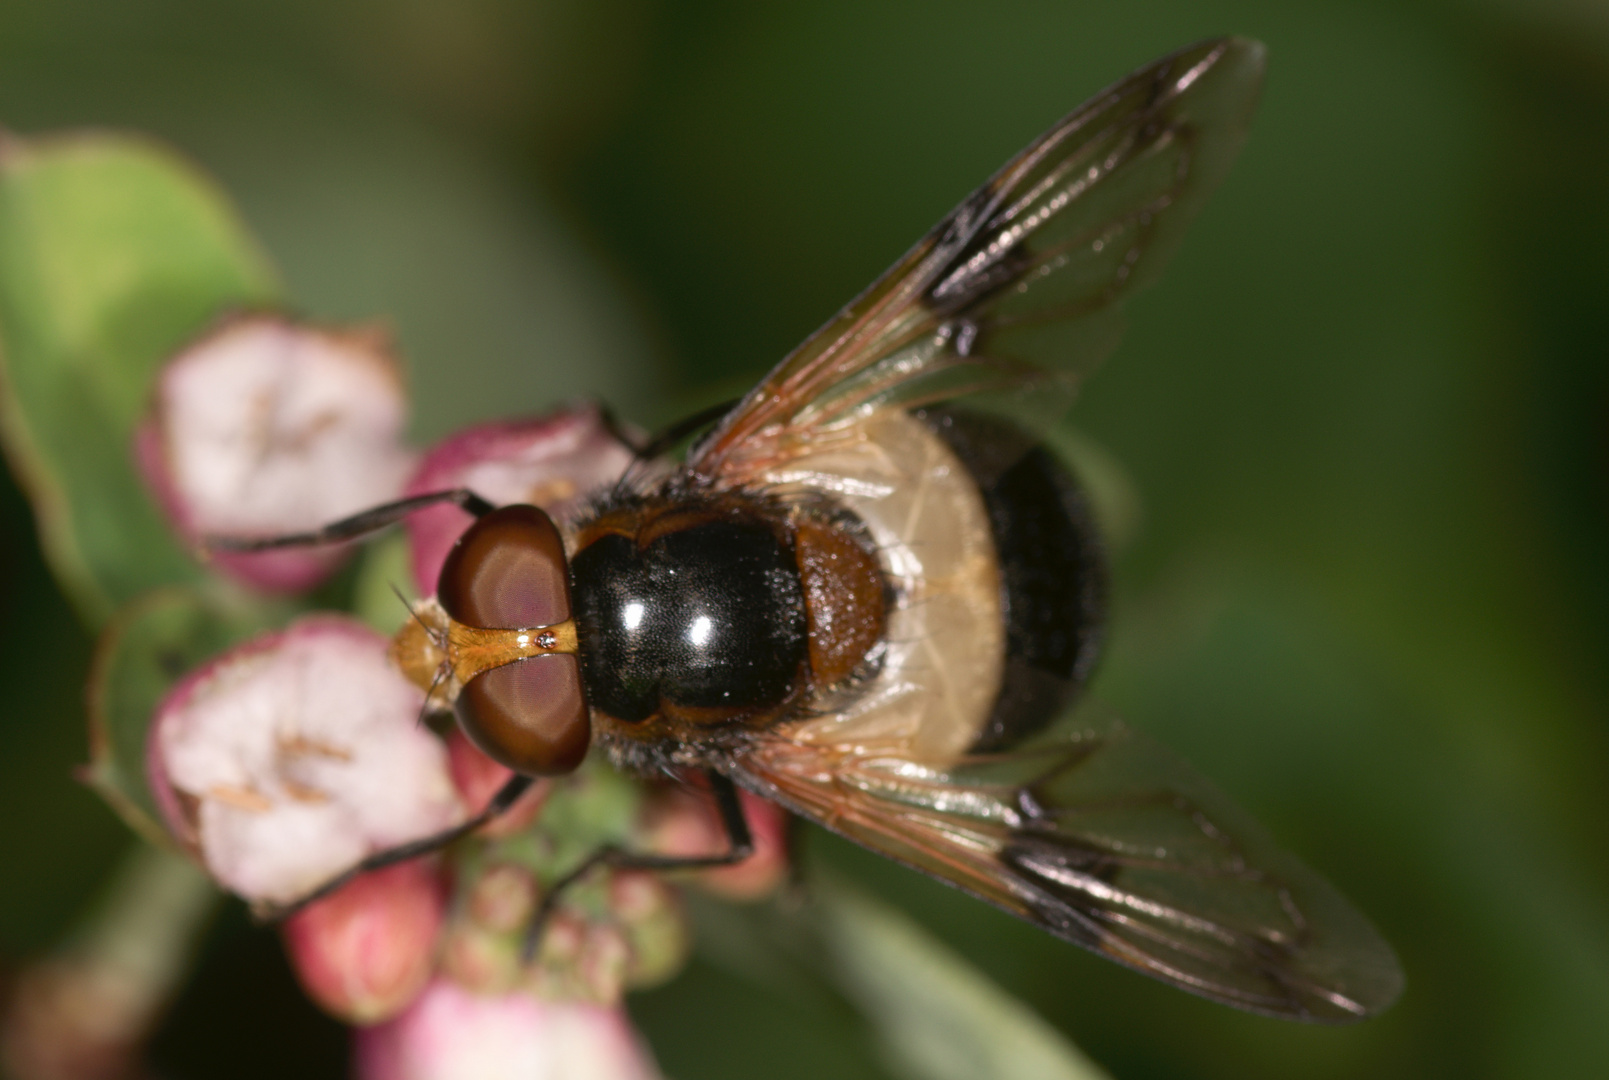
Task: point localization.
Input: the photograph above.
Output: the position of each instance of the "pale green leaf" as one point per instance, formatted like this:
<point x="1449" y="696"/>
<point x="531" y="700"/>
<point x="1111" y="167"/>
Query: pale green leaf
<point x="113" y="254"/>
<point x="936" y="1017"/>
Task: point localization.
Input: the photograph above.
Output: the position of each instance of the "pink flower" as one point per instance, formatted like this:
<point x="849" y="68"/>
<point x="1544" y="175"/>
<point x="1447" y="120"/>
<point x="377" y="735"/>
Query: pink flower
<point x="286" y="760"/>
<point x="556" y="462"/>
<point x="366" y="951"/>
<point x="265" y="427"/>
<point x="454" y="1034"/>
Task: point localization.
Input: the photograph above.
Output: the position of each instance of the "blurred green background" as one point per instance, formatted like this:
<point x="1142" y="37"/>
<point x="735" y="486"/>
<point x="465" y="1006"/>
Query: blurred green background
<point x="1366" y="415"/>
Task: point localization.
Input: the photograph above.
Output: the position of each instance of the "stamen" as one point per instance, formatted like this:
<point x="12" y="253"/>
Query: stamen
<point x="299" y="744"/>
<point x="253" y="802"/>
<point x="304" y="794"/>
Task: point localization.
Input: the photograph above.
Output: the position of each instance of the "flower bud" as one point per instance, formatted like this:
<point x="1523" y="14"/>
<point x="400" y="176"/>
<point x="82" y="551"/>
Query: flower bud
<point x="603" y="963"/>
<point x="555" y="462"/>
<point x="266" y="427"/>
<point x="453" y="1034"/>
<point x="503" y="898"/>
<point x="482" y="960"/>
<point x="562" y="940"/>
<point x="365" y="952"/>
<point x="290" y="758"/>
<point x="650" y="916"/>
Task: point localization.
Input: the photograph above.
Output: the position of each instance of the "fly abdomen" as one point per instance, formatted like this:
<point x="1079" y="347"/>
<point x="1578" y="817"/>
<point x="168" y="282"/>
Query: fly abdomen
<point x="1052" y="570"/>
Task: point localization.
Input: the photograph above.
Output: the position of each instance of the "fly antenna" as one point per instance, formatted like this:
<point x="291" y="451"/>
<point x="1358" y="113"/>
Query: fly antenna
<point x="434" y="634"/>
<point x="396" y="590"/>
<point x="424" y="710"/>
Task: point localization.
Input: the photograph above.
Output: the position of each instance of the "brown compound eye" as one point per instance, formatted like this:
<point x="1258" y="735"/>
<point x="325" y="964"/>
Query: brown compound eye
<point x="508" y="571"/>
<point x="530" y="715"/>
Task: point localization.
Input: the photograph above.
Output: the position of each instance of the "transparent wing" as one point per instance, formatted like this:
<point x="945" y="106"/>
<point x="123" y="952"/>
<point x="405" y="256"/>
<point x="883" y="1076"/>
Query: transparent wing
<point x="1018" y="287"/>
<point x="1104" y="838"/>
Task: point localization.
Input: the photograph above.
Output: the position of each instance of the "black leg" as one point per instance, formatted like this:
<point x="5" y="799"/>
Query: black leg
<point x="506" y="796"/>
<point x="360" y="524"/>
<point x="739" y="846"/>
<point x="669" y="437"/>
<point x="634" y="441"/>
<point x="678" y="431"/>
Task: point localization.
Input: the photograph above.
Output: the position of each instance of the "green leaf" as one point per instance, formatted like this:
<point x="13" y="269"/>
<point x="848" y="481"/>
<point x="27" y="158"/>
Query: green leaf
<point x="937" y="1017"/>
<point x="148" y="647"/>
<point x="113" y="254"/>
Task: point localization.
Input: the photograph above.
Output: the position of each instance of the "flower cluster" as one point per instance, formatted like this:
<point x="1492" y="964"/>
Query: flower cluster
<point x="284" y="761"/>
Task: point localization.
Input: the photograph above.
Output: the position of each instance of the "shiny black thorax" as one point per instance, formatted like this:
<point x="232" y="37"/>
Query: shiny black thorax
<point x="708" y="617"/>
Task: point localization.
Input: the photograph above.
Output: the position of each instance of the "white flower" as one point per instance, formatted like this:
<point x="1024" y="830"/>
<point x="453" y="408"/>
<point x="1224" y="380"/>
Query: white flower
<point x="288" y="759"/>
<point x="266" y="427"/>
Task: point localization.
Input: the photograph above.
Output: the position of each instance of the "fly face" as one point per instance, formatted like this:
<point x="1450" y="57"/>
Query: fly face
<point x="870" y="595"/>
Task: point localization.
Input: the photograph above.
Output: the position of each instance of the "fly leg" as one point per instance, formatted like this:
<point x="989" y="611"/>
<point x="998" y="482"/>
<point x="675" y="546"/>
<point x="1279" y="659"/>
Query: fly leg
<point x="358" y="525"/>
<point x="684" y="427"/>
<point x="664" y="440"/>
<point x="506" y="796"/>
<point x="739" y="846"/>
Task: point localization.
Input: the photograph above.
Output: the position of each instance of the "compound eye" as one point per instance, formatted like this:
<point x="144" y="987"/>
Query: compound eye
<point x="507" y="572"/>
<point x="530" y="715"/>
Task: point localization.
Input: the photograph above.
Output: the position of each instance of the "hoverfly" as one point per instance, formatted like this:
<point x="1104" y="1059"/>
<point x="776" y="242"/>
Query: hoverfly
<point x="870" y="595"/>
